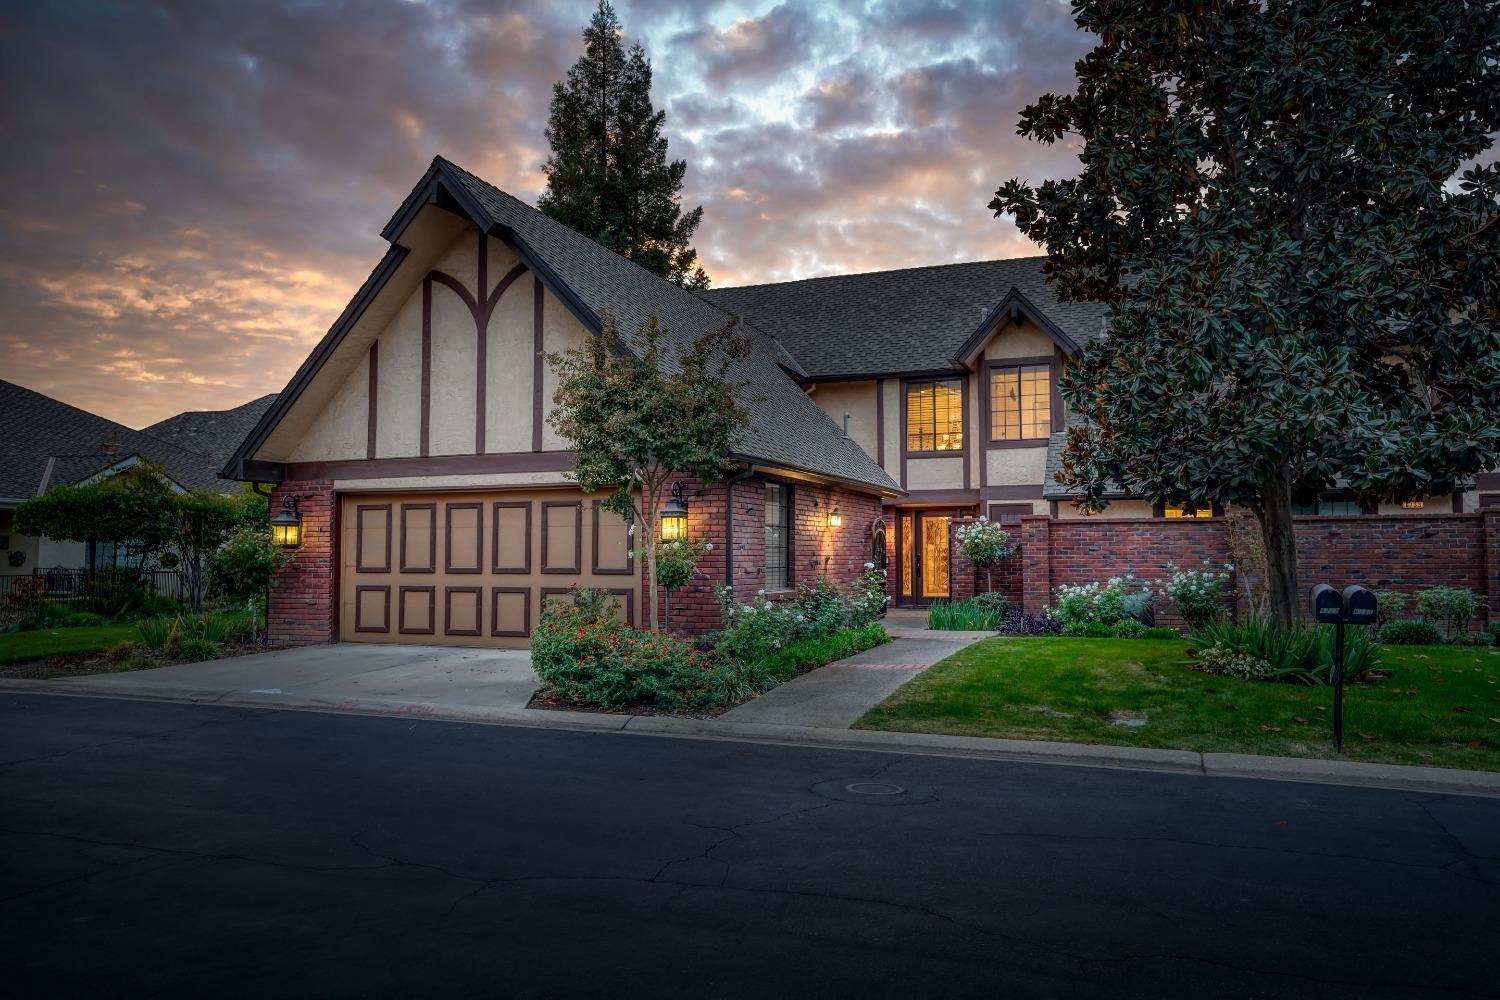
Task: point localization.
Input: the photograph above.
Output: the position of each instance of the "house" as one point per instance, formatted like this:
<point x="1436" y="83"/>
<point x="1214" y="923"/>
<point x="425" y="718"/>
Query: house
<point x="435" y="500"/>
<point x="48" y="443"/>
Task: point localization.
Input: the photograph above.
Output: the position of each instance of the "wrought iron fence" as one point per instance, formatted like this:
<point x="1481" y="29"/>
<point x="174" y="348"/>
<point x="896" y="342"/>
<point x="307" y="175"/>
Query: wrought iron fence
<point x="74" y="590"/>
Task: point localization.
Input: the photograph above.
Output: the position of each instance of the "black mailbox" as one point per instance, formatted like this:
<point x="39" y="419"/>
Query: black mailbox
<point x="1327" y="604"/>
<point x="1359" y="605"/>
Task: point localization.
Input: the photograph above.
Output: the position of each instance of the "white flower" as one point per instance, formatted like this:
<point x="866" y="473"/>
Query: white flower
<point x="761" y="592"/>
<point x="708" y="546"/>
<point x="869" y="565"/>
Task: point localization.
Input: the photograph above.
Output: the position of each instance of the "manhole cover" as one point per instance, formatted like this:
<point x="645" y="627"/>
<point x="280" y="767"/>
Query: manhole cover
<point x="867" y="792"/>
<point x="874" y="788"/>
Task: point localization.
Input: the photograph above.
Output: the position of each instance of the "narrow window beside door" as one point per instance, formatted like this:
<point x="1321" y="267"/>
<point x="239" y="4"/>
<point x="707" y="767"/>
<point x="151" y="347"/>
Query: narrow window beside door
<point x="778" y="537"/>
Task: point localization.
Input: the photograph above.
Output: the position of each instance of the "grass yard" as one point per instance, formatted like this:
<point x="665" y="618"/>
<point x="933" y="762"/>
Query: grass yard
<point x="1440" y="706"/>
<point x="18" y="647"/>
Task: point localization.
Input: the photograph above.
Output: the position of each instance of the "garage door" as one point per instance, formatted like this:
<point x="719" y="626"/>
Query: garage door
<point x="473" y="568"/>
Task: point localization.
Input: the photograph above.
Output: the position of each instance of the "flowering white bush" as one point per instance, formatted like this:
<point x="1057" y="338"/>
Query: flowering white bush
<point x="984" y="543"/>
<point x="866" y="601"/>
<point x="1195" y="592"/>
<point x="1106" y="603"/>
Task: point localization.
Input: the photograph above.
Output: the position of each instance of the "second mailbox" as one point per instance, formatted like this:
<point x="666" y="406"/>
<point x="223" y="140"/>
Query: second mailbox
<point x="1327" y="604"/>
<point x="1359" y="605"/>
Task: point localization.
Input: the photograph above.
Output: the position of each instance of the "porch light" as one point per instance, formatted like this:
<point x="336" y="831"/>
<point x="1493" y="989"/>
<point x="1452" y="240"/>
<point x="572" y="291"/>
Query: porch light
<point x="286" y="526"/>
<point x="835" y="517"/>
<point x="674" y="516"/>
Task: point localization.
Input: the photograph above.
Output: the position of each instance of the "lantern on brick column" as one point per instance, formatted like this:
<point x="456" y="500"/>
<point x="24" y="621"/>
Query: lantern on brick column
<point x="286" y="526"/>
<point x="674" y="515"/>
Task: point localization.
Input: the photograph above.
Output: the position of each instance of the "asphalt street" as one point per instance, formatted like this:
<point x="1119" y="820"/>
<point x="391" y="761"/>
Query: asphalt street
<point x="174" y="850"/>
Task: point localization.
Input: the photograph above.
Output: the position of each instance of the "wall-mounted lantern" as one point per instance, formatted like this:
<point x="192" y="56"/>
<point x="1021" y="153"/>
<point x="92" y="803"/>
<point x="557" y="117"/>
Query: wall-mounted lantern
<point x="674" y="515"/>
<point x="286" y="526"/>
<point x="835" y="517"/>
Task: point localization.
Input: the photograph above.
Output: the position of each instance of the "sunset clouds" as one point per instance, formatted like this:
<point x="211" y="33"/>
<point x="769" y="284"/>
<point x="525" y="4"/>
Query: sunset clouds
<point x="193" y="190"/>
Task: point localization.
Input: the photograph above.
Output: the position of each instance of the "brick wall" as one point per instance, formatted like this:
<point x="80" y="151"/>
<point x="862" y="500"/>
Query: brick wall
<point x="304" y="595"/>
<point x="817" y="548"/>
<point x="1394" y="552"/>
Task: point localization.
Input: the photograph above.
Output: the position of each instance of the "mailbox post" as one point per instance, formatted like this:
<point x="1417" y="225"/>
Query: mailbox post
<point x="1354" y="605"/>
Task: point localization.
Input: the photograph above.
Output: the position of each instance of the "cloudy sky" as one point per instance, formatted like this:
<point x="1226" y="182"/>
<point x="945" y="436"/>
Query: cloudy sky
<point x="192" y="189"/>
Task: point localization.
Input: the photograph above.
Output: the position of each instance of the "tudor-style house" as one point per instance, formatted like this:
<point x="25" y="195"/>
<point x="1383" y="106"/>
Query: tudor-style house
<point x="433" y="499"/>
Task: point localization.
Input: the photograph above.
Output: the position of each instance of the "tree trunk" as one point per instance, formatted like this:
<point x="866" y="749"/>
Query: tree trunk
<point x="1275" y="516"/>
<point x="651" y="583"/>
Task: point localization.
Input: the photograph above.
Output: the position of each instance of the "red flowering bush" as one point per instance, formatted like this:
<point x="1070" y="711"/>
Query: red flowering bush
<point x="583" y="652"/>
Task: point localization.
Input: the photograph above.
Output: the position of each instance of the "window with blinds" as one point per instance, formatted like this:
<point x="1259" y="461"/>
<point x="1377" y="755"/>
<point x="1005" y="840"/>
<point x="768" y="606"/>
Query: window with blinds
<point x="778" y="536"/>
<point x="1020" y="402"/>
<point x="935" y="415"/>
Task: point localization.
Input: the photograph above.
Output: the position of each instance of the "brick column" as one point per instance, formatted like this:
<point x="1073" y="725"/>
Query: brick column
<point x="1489" y="540"/>
<point x="1036" y="562"/>
<point x="304" y="595"/>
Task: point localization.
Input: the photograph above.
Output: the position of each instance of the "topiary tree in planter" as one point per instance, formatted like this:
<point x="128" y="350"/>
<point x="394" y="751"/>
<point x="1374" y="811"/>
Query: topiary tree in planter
<point x="985" y="544"/>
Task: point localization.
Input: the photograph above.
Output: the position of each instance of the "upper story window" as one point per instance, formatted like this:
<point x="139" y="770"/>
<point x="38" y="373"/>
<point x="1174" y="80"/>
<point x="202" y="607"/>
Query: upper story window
<point x="778" y="537"/>
<point x="1020" y="402"/>
<point x="935" y="415"/>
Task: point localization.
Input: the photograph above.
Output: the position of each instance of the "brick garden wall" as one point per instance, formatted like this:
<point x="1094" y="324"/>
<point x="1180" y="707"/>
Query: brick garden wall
<point x="1394" y="552"/>
<point x="304" y="595"/>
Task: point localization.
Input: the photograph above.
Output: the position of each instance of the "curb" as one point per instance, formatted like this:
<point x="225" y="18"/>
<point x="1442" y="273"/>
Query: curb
<point x="1402" y="777"/>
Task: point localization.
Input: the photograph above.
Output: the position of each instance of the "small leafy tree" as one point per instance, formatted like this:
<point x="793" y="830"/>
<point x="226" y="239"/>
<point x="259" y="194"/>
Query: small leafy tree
<point x="639" y="417"/>
<point x="204" y="523"/>
<point x="133" y="511"/>
<point x="244" y="567"/>
<point x="1281" y="202"/>
<point x="677" y="564"/>
<point x="984" y="543"/>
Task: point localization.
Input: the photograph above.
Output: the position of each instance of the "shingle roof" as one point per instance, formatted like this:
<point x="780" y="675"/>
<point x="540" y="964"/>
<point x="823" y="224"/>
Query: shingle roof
<point x="47" y="442"/>
<point x="215" y="433"/>
<point x="890" y="322"/>
<point x="786" y="427"/>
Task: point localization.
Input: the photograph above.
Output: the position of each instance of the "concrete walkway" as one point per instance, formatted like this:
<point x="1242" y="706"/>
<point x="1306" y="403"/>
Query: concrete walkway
<point x="836" y="696"/>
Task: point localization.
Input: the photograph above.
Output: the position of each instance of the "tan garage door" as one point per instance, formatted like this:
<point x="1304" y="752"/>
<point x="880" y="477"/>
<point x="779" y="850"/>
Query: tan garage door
<point x="473" y="568"/>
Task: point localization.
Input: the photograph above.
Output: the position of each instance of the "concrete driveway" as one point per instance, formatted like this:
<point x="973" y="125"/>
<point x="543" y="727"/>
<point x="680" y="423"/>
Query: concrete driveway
<point x="412" y="676"/>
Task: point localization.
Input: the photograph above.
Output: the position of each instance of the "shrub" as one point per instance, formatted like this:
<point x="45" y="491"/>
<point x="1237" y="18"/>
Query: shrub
<point x="677" y="562"/>
<point x="1160" y="632"/>
<point x="154" y="632"/>
<point x="866" y="603"/>
<point x="753" y="630"/>
<point x="584" y="656"/>
<point x="81" y="619"/>
<point x="239" y="630"/>
<point x="1453" y="607"/>
<point x="1195" y="593"/>
<point x="1409" y="633"/>
<point x="1088" y="630"/>
<point x="197" y="650"/>
<point x="1128" y="629"/>
<point x="1301" y="655"/>
<point x="123" y="650"/>
<point x="963" y="616"/>
<point x="819" y="611"/>
<point x="1494" y="633"/>
<point x="114" y="591"/>
<point x="1389" y="606"/>
<point x="1018" y="622"/>
<point x="807" y="654"/>
<point x="1226" y="662"/>
<point x="1474" y="639"/>
<point x="1107" y="602"/>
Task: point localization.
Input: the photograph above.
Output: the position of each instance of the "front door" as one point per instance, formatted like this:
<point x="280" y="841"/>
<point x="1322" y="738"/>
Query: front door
<point x="923" y="555"/>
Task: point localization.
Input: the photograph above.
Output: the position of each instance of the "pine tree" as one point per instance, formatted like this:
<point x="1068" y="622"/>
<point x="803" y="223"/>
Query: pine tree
<point x="608" y="176"/>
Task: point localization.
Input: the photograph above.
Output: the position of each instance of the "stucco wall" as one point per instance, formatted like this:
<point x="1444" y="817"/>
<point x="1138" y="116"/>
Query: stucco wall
<point x="857" y="399"/>
<point x="1016" y="466"/>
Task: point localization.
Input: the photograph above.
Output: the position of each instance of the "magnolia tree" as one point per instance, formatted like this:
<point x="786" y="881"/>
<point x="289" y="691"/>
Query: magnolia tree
<point x="984" y="543"/>
<point x="638" y="415"/>
<point x="1283" y="205"/>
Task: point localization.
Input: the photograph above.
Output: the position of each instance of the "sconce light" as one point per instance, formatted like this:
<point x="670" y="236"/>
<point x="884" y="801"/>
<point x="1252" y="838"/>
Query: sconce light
<point x="835" y="517"/>
<point x="286" y="526"/>
<point x="674" y="515"/>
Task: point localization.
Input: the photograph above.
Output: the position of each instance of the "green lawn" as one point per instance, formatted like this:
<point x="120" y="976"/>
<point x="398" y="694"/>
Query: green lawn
<point x="1439" y="707"/>
<point x="17" y="647"/>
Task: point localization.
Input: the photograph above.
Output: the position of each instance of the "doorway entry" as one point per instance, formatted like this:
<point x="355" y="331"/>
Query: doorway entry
<point x="922" y="551"/>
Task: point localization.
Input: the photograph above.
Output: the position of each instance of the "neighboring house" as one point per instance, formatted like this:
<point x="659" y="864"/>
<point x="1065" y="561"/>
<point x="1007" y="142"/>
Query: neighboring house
<point x="214" y="433"/>
<point x="46" y="443"/>
<point x="435" y="498"/>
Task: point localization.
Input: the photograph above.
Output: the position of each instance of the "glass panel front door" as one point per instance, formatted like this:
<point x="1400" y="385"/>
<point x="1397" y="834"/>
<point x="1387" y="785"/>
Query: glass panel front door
<point x="934" y="561"/>
<point x="908" y="561"/>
